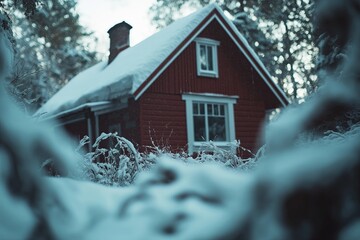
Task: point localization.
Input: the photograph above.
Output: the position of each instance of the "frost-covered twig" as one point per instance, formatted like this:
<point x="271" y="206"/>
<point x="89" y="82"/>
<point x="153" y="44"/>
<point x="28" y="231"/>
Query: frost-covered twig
<point x="117" y="163"/>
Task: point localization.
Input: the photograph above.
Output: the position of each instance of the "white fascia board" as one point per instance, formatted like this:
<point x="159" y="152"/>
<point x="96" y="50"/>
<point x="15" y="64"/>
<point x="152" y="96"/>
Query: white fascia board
<point x="111" y="108"/>
<point x="63" y="123"/>
<point x="93" y="106"/>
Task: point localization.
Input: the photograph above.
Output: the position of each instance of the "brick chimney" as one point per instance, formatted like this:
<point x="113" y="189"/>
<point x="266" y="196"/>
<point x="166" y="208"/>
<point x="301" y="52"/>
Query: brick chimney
<point x="119" y="39"/>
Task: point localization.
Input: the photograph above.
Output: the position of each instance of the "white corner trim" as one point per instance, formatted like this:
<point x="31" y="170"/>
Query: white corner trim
<point x="97" y="127"/>
<point x="90" y="132"/>
<point x="189" y="125"/>
<point x="189" y="98"/>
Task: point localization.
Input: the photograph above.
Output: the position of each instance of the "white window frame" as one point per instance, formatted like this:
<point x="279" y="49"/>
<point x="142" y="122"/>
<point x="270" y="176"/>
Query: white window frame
<point x="207" y="43"/>
<point x="228" y="101"/>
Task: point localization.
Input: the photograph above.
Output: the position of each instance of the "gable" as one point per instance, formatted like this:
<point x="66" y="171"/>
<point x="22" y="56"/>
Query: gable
<point x="236" y="77"/>
<point x="216" y="26"/>
<point x="181" y="75"/>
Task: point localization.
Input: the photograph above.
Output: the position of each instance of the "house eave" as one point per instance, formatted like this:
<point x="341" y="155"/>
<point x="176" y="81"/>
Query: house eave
<point x="93" y="106"/>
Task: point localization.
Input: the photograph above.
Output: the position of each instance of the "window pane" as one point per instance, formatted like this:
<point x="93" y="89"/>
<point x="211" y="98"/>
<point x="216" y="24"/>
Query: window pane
<point x="222" y="110"/>
<point x="203" y="59"/>
<point x="210" y="58"/>
<point x="210" y="109"/>
<point x="217" y="129"/>
<point x="199" y="128"/>
<point x="195" y="108"/>
<point x="202" y="108"/>
<point x="216" y="110"/>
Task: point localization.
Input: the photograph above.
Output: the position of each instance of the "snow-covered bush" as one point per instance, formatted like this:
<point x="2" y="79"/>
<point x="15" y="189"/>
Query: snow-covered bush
<point x="115" y="165"/>
<point x="119" y="163"/>
<point x="230" y="156"/>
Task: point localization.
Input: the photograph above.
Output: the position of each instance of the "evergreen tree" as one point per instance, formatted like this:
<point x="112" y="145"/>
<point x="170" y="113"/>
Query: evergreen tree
<point x="333" y="34"/>
<point x="291" y="21"/>
<point x="49" y="50"/>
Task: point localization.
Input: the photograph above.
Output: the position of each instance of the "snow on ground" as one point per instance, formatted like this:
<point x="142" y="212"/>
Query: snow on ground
<point x="291" y="195"/>
<point x="16" y="218"/>
<point x="165" y="204"/>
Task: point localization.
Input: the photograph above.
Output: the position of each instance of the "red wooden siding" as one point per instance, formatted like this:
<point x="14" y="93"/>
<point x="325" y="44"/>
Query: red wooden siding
<point x="163" y="110"/>
<point x="163" y="121"/>
<point x="77" y="130"/>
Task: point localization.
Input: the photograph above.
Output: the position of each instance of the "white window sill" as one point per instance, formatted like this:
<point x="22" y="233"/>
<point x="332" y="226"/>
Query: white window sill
<point x="218" y="144"/>
<point x="208" y="74"/>
<point x="204" y="146"/>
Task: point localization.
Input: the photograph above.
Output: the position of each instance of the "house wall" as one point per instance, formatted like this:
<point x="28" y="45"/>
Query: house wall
<point x="76" y="130"/>
<point x="163" y="120"/>
<point x="127" y="119"/>
<point x="162" y="116"/>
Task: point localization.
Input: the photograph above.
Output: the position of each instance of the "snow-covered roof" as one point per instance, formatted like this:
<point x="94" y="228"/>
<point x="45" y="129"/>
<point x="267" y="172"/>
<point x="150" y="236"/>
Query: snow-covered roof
<point x="131" y="67"/>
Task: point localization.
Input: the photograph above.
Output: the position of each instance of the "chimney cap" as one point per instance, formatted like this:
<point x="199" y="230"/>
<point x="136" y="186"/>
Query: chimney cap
<point x="122" y="24"/>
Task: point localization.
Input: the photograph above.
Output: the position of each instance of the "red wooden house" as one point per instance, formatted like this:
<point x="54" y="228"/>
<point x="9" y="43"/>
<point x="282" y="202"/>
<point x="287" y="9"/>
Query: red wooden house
<point x="196" y="80"/>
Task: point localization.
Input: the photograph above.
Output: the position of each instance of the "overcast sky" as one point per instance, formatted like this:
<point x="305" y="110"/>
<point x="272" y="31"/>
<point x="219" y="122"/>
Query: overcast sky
<point x="100" y="15"/>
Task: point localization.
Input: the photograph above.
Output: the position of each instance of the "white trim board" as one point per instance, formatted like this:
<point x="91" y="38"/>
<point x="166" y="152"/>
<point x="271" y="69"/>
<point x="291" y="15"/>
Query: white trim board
<point x="94" y="106"/>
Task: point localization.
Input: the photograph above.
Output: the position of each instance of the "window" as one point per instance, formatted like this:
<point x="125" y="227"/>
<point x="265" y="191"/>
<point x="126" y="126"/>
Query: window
<point x="206" y="57"/>
<point x="209" y="118"/>
<point x="209" y="122"/>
